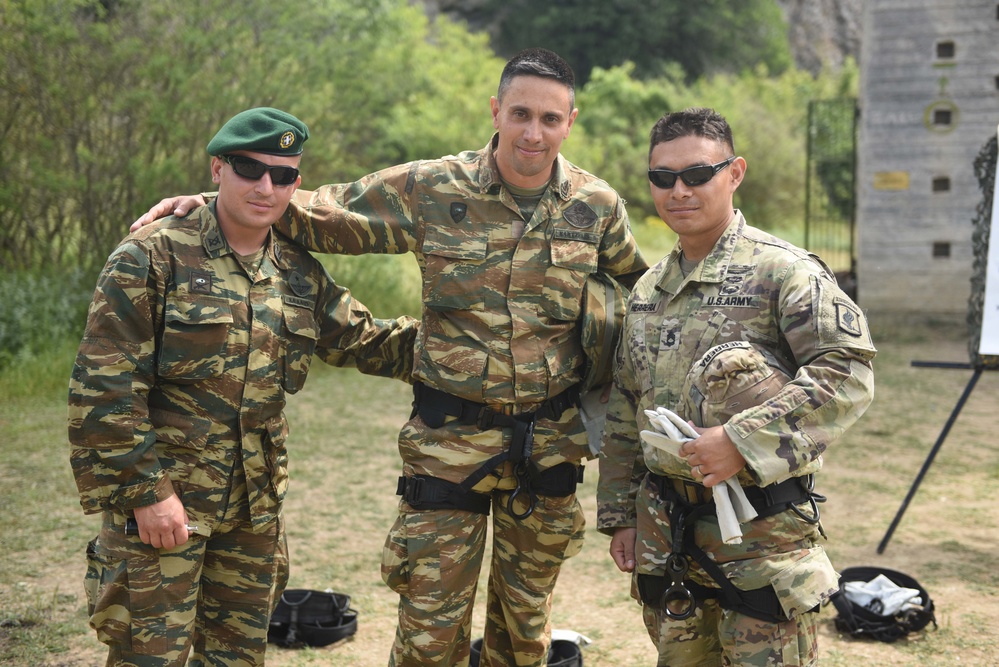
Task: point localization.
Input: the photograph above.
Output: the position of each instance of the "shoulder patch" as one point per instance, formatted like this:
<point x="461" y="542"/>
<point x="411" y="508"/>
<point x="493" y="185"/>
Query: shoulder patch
<point x="580" y="215"/>
<point x="839" y="321"/>
<point x="299" y="285"/>
<point x="848" y="319"/>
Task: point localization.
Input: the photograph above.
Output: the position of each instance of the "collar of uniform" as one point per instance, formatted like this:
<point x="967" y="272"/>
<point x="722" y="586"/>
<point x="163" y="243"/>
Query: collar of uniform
<point x="489" y="174"/>
<point x="212" y="238"/>
<point x="216" y="245"/>
<point x="711" y="269"/>
<point x="714" y="267"/>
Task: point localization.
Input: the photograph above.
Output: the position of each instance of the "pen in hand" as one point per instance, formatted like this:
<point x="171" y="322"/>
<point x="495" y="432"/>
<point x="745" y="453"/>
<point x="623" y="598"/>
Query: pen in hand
<point x="132" y="527"/>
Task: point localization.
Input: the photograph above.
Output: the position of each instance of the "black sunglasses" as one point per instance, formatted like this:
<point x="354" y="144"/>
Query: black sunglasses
<point x="254" y="170"/>
<point x="692" y="176"/>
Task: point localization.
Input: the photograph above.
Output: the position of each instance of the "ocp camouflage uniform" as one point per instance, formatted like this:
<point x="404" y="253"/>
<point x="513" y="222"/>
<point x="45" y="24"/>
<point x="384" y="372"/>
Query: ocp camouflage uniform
<point x="180" y="381"/>
<point x="751" y="287"/>
<point x="500" y="326"/>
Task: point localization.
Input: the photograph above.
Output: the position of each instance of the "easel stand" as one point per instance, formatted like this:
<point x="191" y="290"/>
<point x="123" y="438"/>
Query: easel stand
<point x="936" y="447"/>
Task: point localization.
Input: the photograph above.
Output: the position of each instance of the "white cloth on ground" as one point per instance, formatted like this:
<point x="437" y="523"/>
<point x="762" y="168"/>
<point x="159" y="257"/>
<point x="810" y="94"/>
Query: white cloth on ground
<point x="882" y="596"/>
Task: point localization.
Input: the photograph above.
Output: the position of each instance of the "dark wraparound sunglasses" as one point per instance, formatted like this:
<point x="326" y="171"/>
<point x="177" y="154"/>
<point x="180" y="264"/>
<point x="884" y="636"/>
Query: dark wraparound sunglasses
<point x="254" y="170"/>
<point x="692" y="176"/>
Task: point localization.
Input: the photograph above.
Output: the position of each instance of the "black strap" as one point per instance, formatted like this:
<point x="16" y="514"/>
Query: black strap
<point x="424" y="492"/>
<point x="434" y="406"/>
<point x="761" y="603"/>
<point x="766" y="500"/>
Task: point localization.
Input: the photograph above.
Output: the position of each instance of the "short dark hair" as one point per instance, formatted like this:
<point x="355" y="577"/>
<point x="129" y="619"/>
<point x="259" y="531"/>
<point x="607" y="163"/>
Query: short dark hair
<point x="696" y="121"/>
<point x="541" y="63"/>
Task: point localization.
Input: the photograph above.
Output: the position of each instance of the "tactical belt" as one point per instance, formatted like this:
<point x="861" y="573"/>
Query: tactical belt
<point x="435" y="406"/>
<point x="424" y="492"/>
<point x="766" y="500"/>
<point x="677" y="596"/>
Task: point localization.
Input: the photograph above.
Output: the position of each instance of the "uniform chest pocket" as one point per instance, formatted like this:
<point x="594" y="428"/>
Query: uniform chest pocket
<point x="562" y="292"/>
<point x="454" y="269"/>
<point x="195" y="336"/>
<point x="299" y="345"/>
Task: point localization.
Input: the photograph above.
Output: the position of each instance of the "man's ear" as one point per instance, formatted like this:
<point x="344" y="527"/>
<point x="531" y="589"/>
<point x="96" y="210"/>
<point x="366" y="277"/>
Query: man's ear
<point x="216" y="168"/>
<point x="737" y="172"/>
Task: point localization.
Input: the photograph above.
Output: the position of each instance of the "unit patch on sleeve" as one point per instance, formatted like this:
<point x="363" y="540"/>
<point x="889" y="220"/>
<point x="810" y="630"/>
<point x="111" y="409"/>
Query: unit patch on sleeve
<point x="848" y="319"/>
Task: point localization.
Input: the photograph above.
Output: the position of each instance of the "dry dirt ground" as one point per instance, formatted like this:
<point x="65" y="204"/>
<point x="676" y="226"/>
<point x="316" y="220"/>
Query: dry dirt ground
<point x="341" y="505"/>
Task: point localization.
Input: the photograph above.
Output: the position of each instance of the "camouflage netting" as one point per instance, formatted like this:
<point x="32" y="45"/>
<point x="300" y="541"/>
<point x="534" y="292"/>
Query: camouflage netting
<point x="985" y="170"/>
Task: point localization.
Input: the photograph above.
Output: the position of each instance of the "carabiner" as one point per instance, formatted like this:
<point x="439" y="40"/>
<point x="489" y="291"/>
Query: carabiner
<point x="521" y="473"/>
<point x="677" y="566"/>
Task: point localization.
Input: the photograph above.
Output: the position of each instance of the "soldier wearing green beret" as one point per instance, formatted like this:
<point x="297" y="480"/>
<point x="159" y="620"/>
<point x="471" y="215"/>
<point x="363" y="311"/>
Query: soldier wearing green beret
<point x="508" y="238"/>
<point x="750" y="340"/>
<point x="198" y="329"/>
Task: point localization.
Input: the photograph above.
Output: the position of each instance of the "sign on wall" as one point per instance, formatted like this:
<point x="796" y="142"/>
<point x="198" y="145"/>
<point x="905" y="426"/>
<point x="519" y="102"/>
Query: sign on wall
<point x="989" y="341"/>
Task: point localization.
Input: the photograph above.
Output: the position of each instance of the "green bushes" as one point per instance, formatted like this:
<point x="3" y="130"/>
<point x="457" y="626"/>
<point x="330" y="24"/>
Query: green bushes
<point x="41" y="312"/>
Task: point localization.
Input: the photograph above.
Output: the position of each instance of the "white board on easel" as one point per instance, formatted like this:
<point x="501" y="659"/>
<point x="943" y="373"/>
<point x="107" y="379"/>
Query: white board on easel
<point x="989" y="342"/>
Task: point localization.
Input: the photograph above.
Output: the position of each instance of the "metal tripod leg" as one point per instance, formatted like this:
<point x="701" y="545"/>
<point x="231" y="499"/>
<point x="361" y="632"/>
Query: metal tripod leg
<point x="929" y="459"/>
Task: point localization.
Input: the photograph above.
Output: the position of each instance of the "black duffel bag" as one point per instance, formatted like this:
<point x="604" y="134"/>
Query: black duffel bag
<point x="561" y="653"/>
<point x="857" y="621"/>
<point x="311" y="618"/>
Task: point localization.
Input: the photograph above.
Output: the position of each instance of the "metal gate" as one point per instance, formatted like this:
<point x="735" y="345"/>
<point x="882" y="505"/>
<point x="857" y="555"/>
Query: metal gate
<point x="830" y="199"/>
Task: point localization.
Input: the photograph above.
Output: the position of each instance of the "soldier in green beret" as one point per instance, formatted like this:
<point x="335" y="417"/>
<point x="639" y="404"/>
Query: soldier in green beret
<point x="198" y="329"/>
<point x="749" y="339"/>
<point x="508" y="237"/>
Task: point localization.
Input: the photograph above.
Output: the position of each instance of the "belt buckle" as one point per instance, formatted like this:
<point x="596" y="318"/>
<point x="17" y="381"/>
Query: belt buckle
<point x="696" y="494"/>
<point x="484" y="420"/>
<point x="411" y="494"/>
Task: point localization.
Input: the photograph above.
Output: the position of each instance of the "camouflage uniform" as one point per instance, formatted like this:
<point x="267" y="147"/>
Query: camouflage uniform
<point x="180" y="381"/>
<point x="500" y="326"/>
<point x="751" y="287"/>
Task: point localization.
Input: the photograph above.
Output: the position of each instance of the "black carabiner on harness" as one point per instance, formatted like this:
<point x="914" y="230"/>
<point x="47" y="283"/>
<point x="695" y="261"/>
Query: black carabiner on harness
<point x="677" y="565"/>
<point x="523" y="475"/>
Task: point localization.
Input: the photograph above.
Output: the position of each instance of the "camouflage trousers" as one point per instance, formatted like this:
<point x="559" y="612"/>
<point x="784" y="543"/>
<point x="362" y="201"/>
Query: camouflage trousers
<point x="714" y="637"/>
<point x="433" y="559"/>
<point x="207" y="602"/>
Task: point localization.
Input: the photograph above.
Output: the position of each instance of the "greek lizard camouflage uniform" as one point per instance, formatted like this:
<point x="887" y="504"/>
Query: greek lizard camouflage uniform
<point x="500" y="326"/>
<point x="751" y="287"/>
<point x="180" y="381"/>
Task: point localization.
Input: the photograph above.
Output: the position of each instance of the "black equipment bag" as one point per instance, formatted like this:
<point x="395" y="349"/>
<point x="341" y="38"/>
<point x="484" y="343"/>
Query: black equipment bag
<point x="857" y="621"/>
<point x="561" y="653"/>
<point x="311" y="618"/>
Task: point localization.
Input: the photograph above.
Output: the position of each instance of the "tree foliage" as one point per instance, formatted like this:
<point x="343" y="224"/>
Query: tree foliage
<point x="703" y="38"/>
<point x="105" y="107"/>
<point x="768" y="115"/>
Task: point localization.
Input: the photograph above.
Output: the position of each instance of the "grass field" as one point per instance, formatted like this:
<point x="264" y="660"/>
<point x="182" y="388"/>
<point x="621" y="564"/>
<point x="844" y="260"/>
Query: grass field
<point x="344" y="465"/>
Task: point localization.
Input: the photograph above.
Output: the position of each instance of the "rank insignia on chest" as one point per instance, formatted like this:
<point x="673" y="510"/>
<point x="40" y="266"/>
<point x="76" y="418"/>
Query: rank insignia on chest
<point x="201" y="282"/>
<point x="669" y="339"/>
<point x="458" y="211"/>
<point x="299" y="285"/>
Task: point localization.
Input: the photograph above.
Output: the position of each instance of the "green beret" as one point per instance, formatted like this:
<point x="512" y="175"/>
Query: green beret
<point x="261" y="130"/>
